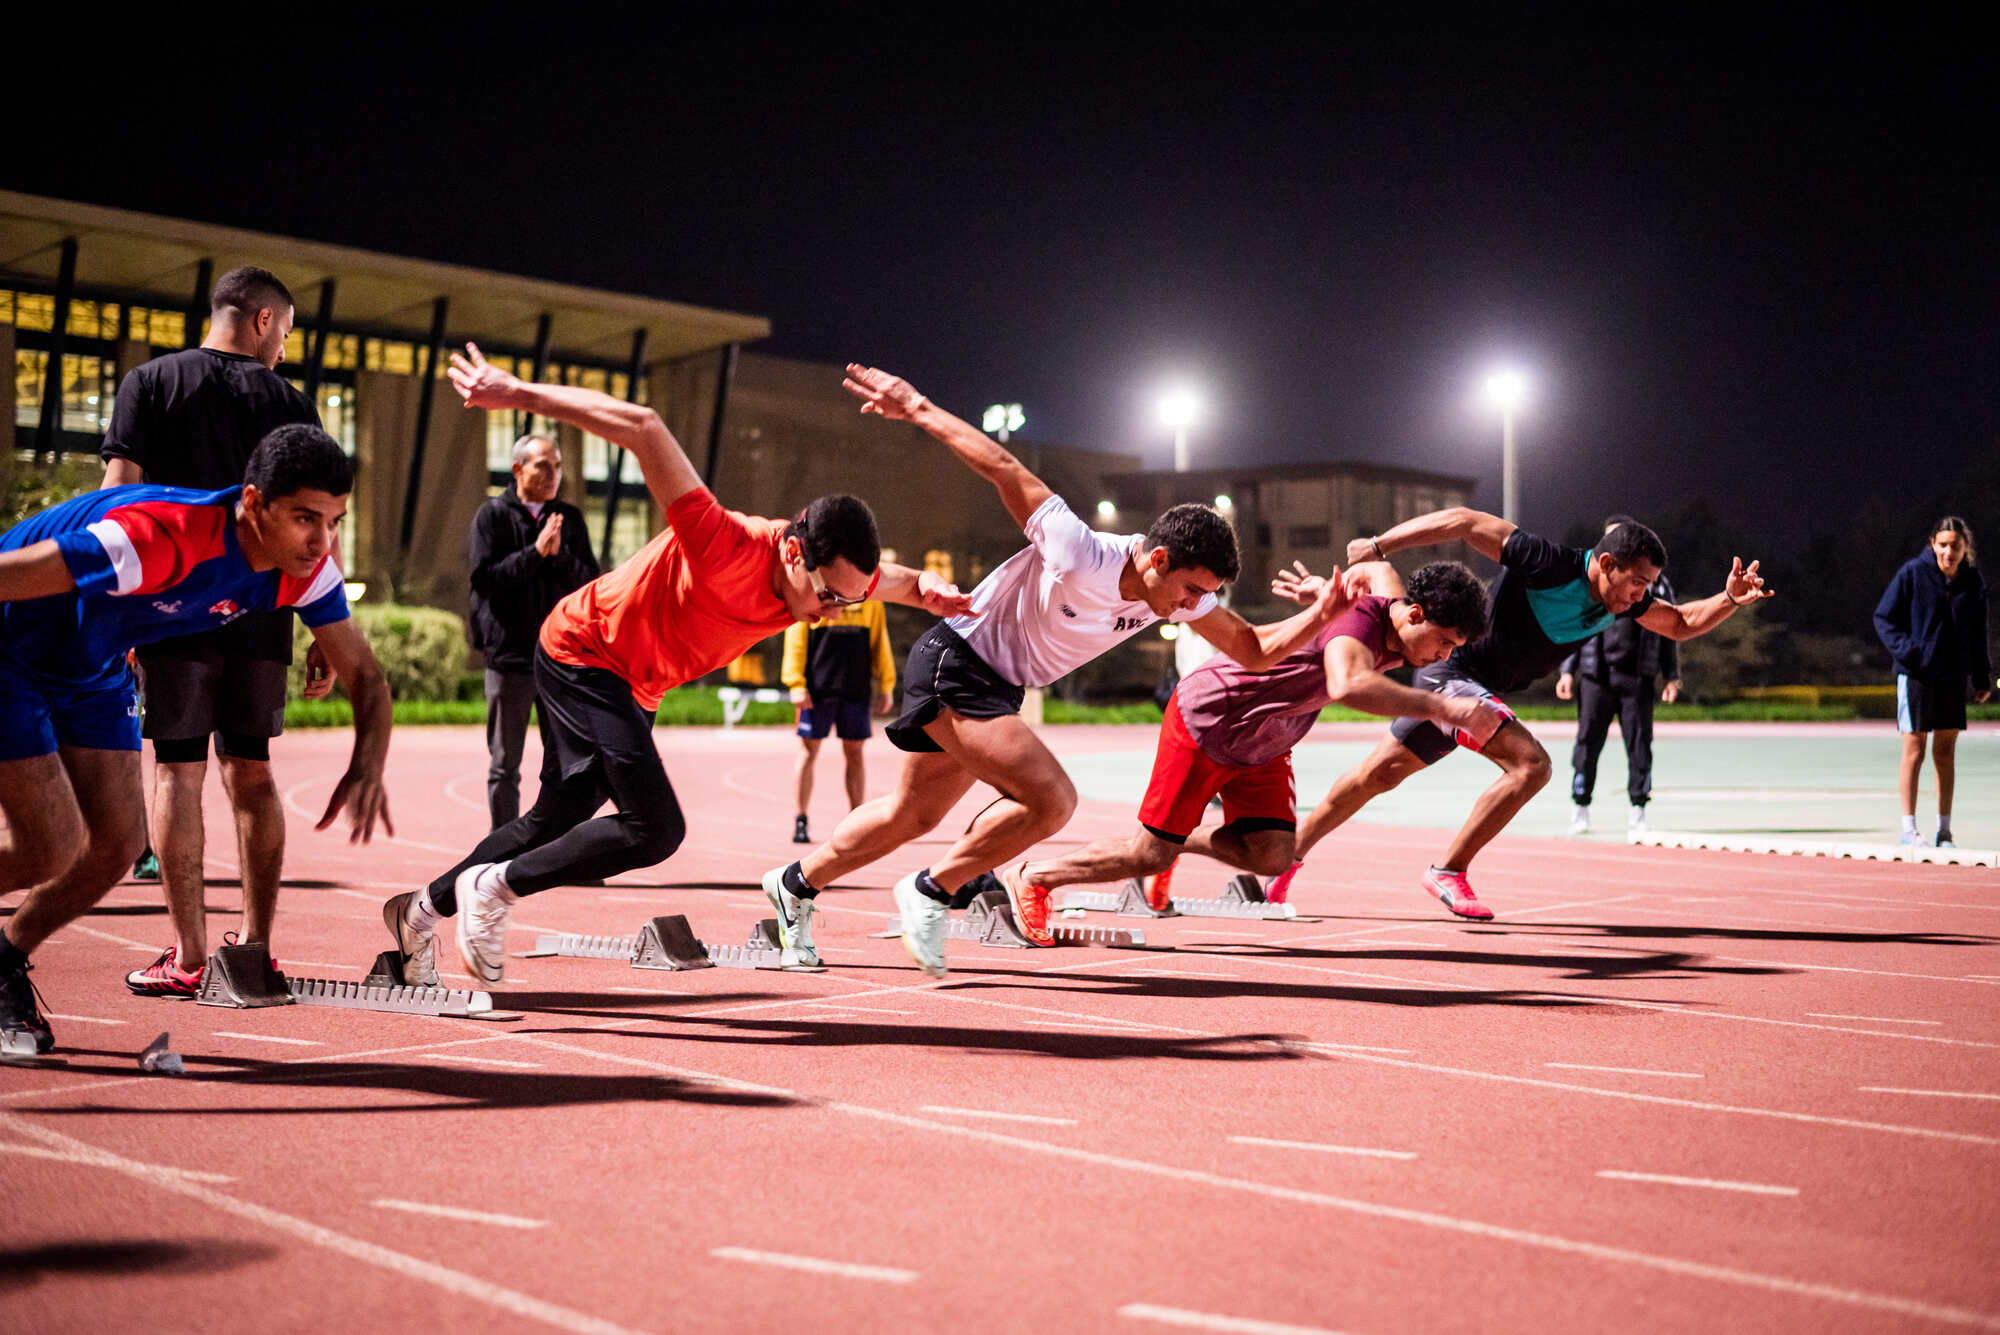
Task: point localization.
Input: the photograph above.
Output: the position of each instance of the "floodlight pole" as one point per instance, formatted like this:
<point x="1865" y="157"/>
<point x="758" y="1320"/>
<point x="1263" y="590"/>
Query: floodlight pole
<point x="1510" y="491"/>
<point x="1181" y="449"/>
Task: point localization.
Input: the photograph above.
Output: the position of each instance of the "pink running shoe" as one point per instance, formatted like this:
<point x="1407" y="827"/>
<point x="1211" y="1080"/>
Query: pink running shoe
<point x="1455" y="893"/>
<point x="165" y="978"/>
<point x="1280" y="886"/>
<point x="1030" y="903"/>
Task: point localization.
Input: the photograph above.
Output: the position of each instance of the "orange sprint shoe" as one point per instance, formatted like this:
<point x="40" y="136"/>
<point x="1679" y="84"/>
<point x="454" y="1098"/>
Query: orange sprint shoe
<point x="1160" y="890"/>
<point x="1030" y="903"/>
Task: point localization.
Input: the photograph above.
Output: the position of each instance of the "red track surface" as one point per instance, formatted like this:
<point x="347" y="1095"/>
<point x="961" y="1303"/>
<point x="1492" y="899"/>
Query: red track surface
<point x="645" y="1123"/>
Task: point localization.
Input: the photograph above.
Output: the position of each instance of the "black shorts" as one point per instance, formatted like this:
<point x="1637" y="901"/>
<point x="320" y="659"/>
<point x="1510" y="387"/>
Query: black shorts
<point x="591" y="719"/>
<point x="200" y="686"/>
<point x="1425" y="739"/>
<point x="1925" y="704"/>
<point x="944" y="673"/>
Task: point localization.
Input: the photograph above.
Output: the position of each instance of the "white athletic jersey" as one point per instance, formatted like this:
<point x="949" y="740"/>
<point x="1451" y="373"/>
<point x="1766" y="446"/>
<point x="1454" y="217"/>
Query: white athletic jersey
<point x="1054" y="605"/>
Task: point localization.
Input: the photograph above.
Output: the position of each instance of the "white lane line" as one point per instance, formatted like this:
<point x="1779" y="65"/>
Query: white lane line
<point x="1324" y="1149"/>
<point x="1254" y="936"/>
<point x="1878" y="973"/>
<point x="57" y="1156"/>
<point x="1188" y="973"/>
<point x="844" y="1269"/>
<point x="464" y="1216"/>
<point x="1240" y="1325"/>
<point x="323" y="964"/>
<point x="410" y="1267"/>
<point x="1360" y="1047"/>
<point x="1872" y="1019"/>
<point x="474" y="1059"/>
<point x="1754" y="1188"/>
<point x="125" y="941"/>
<point x="1624" y="1070"/>
<point x="999" y="1116"/>
<point x="871" y="1010"/>
<point x="1596" y="1251"/>
<point x="1928" y="1093"/>
<point x="1113" y="1025"/>
<point x="81" y="1019"/>
<point x="270" y="1038"/>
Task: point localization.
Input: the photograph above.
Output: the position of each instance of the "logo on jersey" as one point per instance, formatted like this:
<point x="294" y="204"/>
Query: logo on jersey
<point x="226" y="609"/>
<point x="1130" y="623"/>
<point x="1067" y="610"/>
<point x="169" y="608"/>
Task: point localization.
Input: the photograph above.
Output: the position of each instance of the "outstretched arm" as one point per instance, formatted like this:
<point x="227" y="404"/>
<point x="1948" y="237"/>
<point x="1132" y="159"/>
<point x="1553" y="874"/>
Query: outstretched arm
<point x="1260" y="647"/>
<point x="35" y="571"/>
<point x="921" y="588"/>
<point x="1687" y="620"/>
<point x="896" y="399"/>
<point x="360" y="789"/>
<point x="669" y="475"/>
<point x="1487" y="534"/>
<point x="1353" y="680"/>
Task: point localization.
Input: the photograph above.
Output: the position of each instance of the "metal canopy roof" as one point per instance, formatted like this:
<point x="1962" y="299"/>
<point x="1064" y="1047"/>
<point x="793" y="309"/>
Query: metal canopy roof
<point x="145" y="253"/>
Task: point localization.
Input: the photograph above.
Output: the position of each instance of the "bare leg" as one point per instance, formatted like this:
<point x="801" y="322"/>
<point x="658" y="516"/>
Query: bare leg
<point x="94" y="798"/>
<point x="1387" y="766"/>
<point x="1525" y="771"/>
<point x="857" y="773"/>
<point x="1036" y="797"/>
<point x="260" y="841"/>
<point x="930" y="785"/>
<point x="1944" y="759"/>
<point x="44" y="827"/>
<point x="1138" y="854"/>
<point x="178" y="841"/>
<point x="1910" y="770"/>
<point x="802" y="773"/>
<point x="1265" y="852"/>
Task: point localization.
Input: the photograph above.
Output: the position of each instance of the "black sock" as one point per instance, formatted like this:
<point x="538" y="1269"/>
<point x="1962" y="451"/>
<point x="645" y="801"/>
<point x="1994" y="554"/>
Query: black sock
<point x="795" y="881"/>
<point x="12" y="957"/>
<point x="930" y="889"/>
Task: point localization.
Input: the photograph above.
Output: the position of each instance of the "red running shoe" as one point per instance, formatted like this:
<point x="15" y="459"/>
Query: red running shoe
<point x="1280" y="886"/>
<point x="164" y="978"/>
<point x="1455" y="893"/>
<point x="1160" y="890"/>
<point x="1030" y="903"/>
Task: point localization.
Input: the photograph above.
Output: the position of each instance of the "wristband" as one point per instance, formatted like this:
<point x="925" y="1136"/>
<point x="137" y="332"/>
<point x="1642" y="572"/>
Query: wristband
<point x="1378" y="549"/>
<point x="1732" y="598"/>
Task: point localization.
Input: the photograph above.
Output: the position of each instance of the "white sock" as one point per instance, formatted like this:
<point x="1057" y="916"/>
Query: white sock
<point x="494" y="880"/>
<point x="423" y="914"/>
<point x="1909" y="825"/>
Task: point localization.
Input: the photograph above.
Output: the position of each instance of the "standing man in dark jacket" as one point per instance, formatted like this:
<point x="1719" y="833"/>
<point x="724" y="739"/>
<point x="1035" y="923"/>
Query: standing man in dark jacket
<point x="1613" y="675"/>
<point x="192" y="419"/>
<point x="1932" y="620"/>
<point x="529" y="551"/>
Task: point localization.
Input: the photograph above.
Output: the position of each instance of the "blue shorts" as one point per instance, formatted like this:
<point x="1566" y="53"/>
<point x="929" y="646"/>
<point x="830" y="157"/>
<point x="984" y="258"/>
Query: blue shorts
<point x="847" y="717"/>
<point x="38" y="714"/>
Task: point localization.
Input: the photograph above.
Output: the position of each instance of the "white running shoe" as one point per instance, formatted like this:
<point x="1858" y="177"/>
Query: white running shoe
<point x="1635" y="822"/>
<point x="924" y="922"/>
<point x="482" y="924"/>
<point x="1911" y="839"/>
<point x="1579" y="820"/>
<point x="419" y="948"/>
<point x="795" y="918"/>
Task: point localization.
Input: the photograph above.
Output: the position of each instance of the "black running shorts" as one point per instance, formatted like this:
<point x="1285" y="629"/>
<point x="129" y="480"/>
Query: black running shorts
<point x="1925" y="704"/>
<point x="592" y="718"/>
<point x="944" y="673"/>
<point x="1425" y="739"/>
<point x="199" y="684"/>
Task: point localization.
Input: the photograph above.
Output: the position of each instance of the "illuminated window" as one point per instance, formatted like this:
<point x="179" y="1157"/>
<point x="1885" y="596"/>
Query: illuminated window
<point x="33" y="310"/>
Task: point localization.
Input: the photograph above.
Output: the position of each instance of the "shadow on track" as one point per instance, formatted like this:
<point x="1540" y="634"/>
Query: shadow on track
<point x="22" y="1266"/>
<point x="1034" y="1043"/>
<point x="1216" y="989"/>
<point x="1581" y="967"/>
<point x="1690" y="932"/>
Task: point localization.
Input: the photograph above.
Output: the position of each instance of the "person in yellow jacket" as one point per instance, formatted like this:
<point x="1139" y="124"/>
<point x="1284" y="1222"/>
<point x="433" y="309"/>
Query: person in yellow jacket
<point x="836" y="668"/>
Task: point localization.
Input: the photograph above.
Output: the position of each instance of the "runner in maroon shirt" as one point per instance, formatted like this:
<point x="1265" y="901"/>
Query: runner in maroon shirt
<point x="1230" y="731"/>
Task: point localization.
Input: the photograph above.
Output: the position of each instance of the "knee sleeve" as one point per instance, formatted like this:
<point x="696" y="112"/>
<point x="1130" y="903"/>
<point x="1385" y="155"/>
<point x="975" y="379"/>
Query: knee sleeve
<point x="240" y="745"/>
<point x="180" y="750"/>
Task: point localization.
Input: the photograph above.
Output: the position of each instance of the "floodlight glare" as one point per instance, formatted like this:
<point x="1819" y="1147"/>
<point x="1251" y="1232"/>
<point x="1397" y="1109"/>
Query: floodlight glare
<point x="1178" y="408"/>
<point x="1506" y="389"/>
<point x="1224" y="503"/>
<point x="1106" y="510"/>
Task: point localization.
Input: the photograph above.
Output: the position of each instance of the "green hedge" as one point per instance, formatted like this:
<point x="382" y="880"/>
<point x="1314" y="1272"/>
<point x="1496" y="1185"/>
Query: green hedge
<point x="421" y="649"/>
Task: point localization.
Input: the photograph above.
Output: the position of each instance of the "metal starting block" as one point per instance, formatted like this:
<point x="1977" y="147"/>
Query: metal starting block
<point x="989" y="920"/>
<point x="20" y="1048"/>
<point x="666" y="943"/>
<point x="242" y="977"/>
<point x="1243" y="897"/>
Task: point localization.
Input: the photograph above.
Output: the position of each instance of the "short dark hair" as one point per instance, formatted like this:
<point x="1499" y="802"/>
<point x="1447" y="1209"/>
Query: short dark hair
<point x="1632" y="542"/>
<point x="1451" y="596"/>
<point x="1196" y="536"/>
<point x="1613" y="521"/>
<point x="838" y="526"/>
<point x="295" y="457"/>
<point x="247" y="289"/>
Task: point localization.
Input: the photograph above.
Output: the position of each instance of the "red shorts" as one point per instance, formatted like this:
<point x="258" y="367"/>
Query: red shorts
<point x="1262" y="797"/>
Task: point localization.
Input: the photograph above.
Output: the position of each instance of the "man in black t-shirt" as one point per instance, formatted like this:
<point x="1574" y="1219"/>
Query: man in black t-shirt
<point x="191" y="419"/>
<point x="1547" y="600"/>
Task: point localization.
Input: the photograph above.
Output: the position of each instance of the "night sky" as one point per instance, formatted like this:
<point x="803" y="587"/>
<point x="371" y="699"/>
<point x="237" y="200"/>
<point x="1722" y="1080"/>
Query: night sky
<point x="1751" y="264"/>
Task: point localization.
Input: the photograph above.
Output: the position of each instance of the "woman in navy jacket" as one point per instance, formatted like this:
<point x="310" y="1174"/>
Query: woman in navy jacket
<point x="1932" y="619"/>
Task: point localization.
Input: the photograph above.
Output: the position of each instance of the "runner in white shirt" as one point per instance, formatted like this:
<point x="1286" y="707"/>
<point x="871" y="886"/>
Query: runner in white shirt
<point x="1069" y="596"/>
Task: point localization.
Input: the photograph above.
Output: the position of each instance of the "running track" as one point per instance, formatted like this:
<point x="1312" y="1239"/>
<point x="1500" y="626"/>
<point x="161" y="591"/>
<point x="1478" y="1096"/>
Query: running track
<point x="1664" y="1091"/>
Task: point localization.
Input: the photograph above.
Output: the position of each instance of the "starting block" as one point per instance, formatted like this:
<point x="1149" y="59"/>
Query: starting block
<point x="989" y="921"/>
<point x="20" y="1048"/>
<point x="243" y="977"/>
<point x="1243" y="897"/>
<point x="666" y="943"/>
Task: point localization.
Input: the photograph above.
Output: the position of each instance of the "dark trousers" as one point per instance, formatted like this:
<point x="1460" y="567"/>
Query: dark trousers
<point x="598" y="745"/>
<point x="1630" y="700"/>
<point x="510" y="699"/>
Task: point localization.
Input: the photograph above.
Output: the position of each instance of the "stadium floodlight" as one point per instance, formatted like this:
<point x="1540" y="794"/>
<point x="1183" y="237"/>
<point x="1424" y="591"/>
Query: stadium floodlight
<point x="1178" y="409"/>
<point x="1224" y="504"/>
<point x="1003" y="420"/>
<point x="1106" y="510"/>
<point x="1506" y="390"/>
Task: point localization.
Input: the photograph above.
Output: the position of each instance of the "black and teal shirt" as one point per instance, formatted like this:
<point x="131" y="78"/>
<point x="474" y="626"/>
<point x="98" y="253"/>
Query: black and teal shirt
<point x="1542" y="609"/>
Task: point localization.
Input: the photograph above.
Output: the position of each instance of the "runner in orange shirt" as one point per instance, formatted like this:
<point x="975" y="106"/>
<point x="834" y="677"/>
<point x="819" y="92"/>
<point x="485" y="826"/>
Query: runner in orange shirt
<point x="708" y="587"/>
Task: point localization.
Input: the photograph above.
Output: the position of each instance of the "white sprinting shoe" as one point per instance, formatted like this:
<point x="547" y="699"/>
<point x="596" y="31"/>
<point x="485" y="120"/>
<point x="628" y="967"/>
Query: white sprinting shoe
<point x="795" y="917"/>
<point x="923" y="921"/>
<point x="1911" y="839"/>
<point x="1635" y="822"/>
<point x="482" y="924"/>
<point x="1579" y="820"/>
<point x="419" y="948"/>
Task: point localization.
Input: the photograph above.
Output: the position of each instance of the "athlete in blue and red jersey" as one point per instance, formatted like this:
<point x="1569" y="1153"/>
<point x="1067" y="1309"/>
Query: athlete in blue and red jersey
<point x="86" y="581"/>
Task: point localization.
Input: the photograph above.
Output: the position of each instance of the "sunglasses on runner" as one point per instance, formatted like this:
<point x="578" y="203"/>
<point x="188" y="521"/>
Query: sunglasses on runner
<point x="827" y="597"/>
